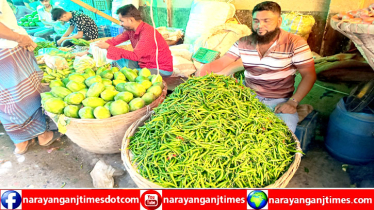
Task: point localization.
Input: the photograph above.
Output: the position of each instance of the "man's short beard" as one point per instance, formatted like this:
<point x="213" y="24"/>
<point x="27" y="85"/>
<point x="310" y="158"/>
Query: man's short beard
<point x="267" y="38"/>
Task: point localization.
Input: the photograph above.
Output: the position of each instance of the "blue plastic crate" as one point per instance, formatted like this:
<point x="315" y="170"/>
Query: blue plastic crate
<point x="104" y="31"/>
<point x="101" y="21"/>
<point x="115" y="30"/>
<point x="103" y="4"/>
<point x="306" y="129"/>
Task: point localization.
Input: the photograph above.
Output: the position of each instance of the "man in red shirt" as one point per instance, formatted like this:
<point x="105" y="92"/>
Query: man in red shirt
<point x="142" y="40"/>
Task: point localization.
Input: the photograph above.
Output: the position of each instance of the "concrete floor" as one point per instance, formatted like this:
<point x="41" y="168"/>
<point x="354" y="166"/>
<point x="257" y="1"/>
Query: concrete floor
<point x="69" y="166"/>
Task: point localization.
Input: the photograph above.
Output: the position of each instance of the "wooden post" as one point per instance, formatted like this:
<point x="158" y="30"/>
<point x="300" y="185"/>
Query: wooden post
<point x="96" y="11"/>
<point x="169" y="12"/>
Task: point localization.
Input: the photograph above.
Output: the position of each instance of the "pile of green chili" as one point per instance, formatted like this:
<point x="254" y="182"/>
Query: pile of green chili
<point x="212" y="132"/>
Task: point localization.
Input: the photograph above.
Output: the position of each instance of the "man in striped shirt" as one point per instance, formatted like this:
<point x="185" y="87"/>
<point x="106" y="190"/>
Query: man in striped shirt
<point x="271" y="57"/>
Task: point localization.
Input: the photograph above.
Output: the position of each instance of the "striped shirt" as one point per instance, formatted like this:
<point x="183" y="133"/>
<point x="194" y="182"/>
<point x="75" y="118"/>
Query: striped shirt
<point x="273" y="75"/>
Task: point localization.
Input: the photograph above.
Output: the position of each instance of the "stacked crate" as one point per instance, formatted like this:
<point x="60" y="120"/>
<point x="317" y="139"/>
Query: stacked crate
<point x="103" y="23"/>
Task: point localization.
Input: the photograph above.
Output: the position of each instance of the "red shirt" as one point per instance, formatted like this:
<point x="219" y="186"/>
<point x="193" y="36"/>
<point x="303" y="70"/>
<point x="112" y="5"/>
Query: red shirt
<point x="142" y="41"/>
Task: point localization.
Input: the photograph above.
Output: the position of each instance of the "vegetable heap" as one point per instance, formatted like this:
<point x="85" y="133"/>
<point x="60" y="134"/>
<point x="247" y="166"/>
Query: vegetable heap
<point x="212" y="132"/>
<point x="30" y="20"/>
<point x="80" y="42"/>
<point x="102" y="93"/>
<point x="43" y="44"/>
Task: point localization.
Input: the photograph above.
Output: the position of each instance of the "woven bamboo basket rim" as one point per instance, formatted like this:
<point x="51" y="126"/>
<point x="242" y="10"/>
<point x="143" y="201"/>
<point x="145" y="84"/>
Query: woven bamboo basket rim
<point x="125" y="156"/>
<point x="360" y="34"/>
<point x="91" y="121"/>
<point x="352" y="27"/>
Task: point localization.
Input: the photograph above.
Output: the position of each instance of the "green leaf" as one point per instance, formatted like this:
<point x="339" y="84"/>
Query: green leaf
<point x="306" y="169"/>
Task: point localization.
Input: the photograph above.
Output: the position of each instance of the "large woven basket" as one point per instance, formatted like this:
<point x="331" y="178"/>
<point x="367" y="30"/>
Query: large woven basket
<point x="142" y="182"/>
<point x="362" y="35"/>
<point x="104" y="136"/>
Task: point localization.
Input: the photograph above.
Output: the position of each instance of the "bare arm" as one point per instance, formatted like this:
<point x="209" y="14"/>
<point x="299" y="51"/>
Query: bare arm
<point x="216" y="66"/>
<point x="7" y="33"/>
<point x="23" y="40"/>
<point x="232" y="68"/>
<point x="69" y="31"/>
<point x="308" y="77"/>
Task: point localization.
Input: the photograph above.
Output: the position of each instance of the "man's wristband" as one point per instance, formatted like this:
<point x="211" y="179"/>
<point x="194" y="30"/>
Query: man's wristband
<point x="294" y="100"/>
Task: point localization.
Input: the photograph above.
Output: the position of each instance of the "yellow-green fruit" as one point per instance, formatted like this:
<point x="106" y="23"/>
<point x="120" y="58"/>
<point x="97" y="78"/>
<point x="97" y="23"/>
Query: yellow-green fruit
<point x="144" y="72"/>
<point x="77" y="77"/>
<point x="86" y="75"/>
<point x="75" y="86"/>
<point x="140" y="78"/>
<point x="124" y="96"/>
<point x="74" y="98"/>
<point x="158" y="84"/>
<point x="146" y="84"/>
<point x="101" y="69"/>
<point x="45" y="96"/>
<point x="107" y="74"/>
<point x="93" y="102"/>
<point x="107" y="105"/>
<point x="108" y="95"/>
<point x="156" y="90"/>
<point x="84" y="92"/>
<point x="71" y="111"/>
<point x="60" y="92"/>
<point x="101" y="112"/>
<point x="90" y="72"/>
<point x="116" y="82"/>
<point x="115" y="69"/>
<point x="89" y="81"/>
<point x="54" y="105"/>
<point x="136" y="103"/>
<point x="110" y="87"/>
<point x="119" y="76"/>
<point x="136" y="89"/>
<point x="56" y="83"/>
<point x="118" y="107"/>
<point x="86" y="113"/>
<point x="107" y="82"/>
<point x="65" y="81"/>
<point x="95" y="89"/>
<point x="148" y="98"/>
<point x="156" y="78"/>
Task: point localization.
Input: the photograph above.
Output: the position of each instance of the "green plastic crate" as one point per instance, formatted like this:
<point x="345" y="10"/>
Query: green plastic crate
<point x="103" y="4"/>
<point x="204" y="55"/>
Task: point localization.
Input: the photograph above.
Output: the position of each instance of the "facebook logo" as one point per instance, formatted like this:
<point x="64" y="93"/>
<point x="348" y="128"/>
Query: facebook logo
<point x="11" y="199"/>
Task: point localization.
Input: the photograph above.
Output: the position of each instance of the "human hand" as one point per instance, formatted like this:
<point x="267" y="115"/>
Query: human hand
<point x="288" y="107"/>
<point x="32" y="47"/>
<point x="103" y="45"/>
<point x="60" y="41"/>
<point x="24" y="40"/>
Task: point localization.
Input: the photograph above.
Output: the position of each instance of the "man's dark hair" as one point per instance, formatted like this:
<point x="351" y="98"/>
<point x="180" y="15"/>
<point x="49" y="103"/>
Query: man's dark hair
<point x="267" y="6"/>
<point x="57" y="13"/>
<point x="129" y="11"/>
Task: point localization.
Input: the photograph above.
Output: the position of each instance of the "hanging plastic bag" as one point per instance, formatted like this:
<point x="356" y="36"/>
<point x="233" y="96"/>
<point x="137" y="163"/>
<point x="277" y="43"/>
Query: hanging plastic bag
<point x="298" y="24"/>
<point x="99" y="55"/>
<point x="82" y="63"/>
<point x="56" y="62"/>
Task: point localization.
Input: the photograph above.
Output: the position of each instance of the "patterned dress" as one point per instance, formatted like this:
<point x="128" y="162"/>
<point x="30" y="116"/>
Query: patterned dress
<point x="84" y="23"/>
